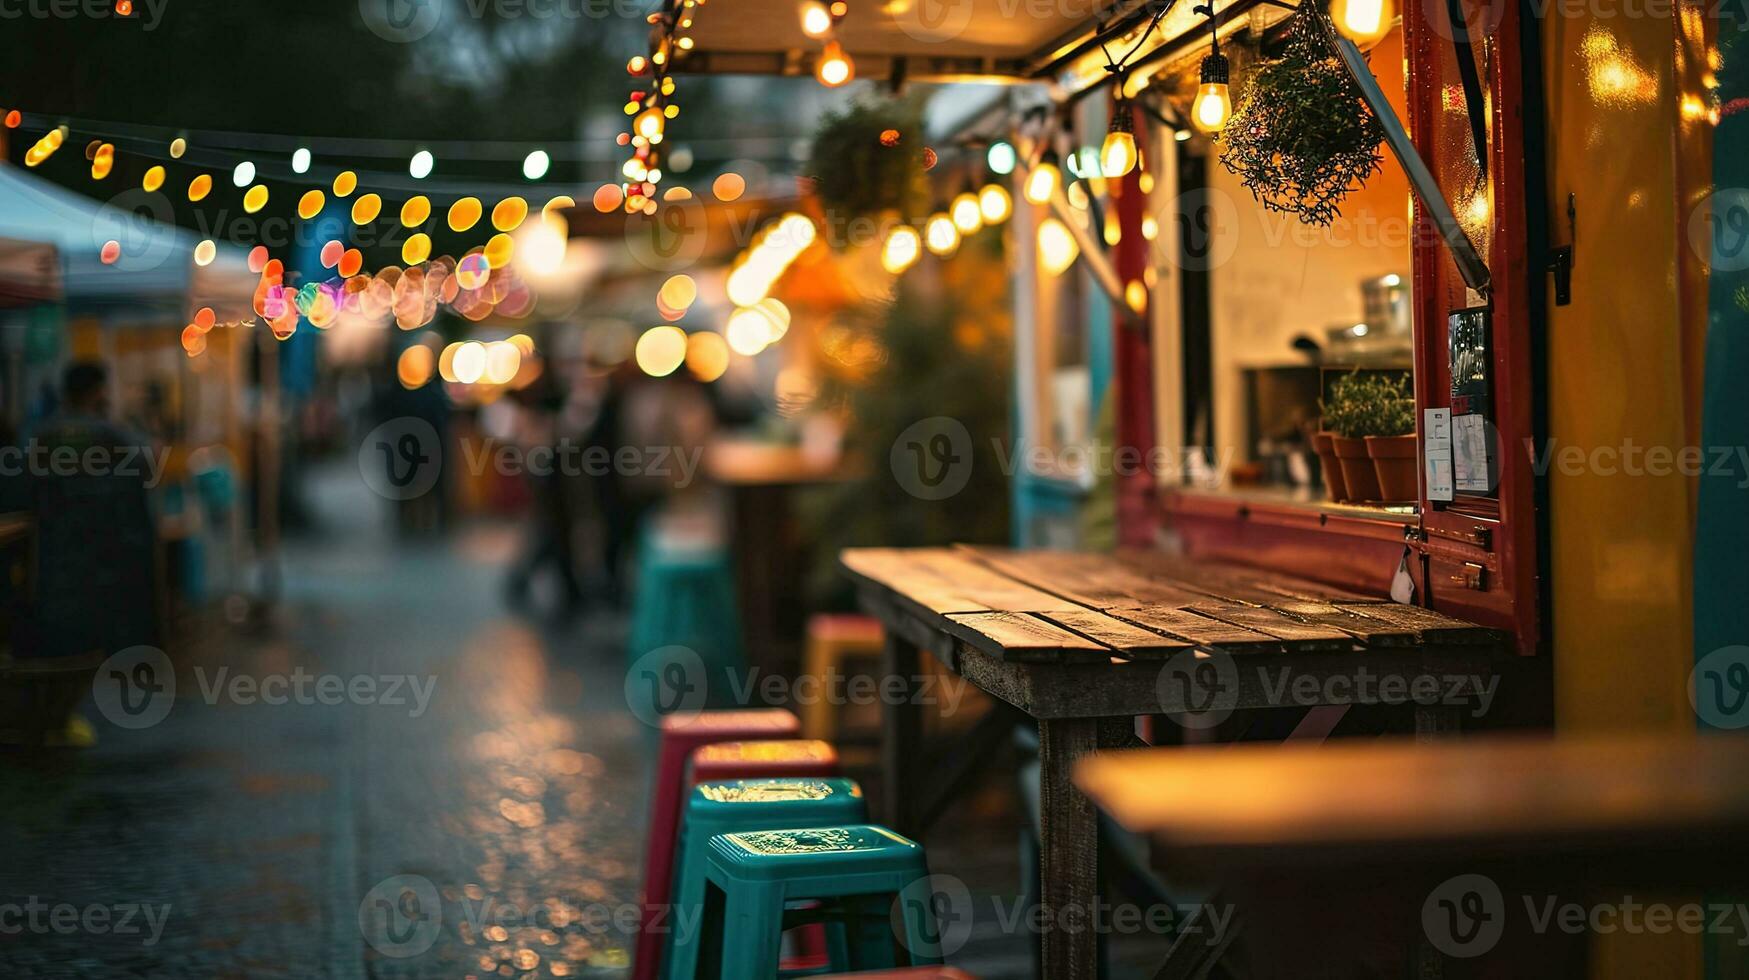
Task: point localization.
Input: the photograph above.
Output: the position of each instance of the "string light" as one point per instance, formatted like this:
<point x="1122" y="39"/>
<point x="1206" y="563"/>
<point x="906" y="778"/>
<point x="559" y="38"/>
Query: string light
<point x="902" y="249"/>
<point x="835" y="67"/>
<point x="1057" y="250"/>
<point x="1046" y="178"/>
<point x="1213" y="105"/>
<point x="995" y="204"/>
<point x="301" y="160"/>
<point x="243" y="175"/>
<point x="1365" y="22"/>
<point x="421" y="164"/>
<point x="968" y="218"/>
<point x="816" y="19"/>
<point x="1118" y="156"/>
<point x="534" y="166"/>
<point x="1000" y="157"/>
<point x="941" y="235"/>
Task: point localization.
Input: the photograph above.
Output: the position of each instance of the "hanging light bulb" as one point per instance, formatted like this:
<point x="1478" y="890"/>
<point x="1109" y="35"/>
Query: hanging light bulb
<point x="1045" y="179"/>
<point x="995" y="204"/>
<point x="1213" y="104"/>
<point x="816" y="19"/>
<point x="940" y="234"/>
<point x="1057" y="250"/>
<point x="902" y="249"/>
<point x="834" y="68"/>
<point x="650" y="122"/>
<point x="967" y="217"/>
<point x="1365" y="22"/>
<point x="1118" y="156"/>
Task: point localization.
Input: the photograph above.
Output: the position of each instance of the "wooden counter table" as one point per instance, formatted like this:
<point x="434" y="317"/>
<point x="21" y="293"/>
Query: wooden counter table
<point x="1084" y="643"/>
<point x="1444" y="851"/>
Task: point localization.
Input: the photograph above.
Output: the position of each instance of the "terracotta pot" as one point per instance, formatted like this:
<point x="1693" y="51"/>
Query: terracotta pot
<point x="1358" y="473"/>
<point x="1333" y="481"/>
<point x="1393" y="458"/>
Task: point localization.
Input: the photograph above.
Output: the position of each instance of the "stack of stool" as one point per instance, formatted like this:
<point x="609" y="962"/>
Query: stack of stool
<point x="680" y="736"/>
<point x="854" y="871"/>
<point x="833" y="640"/>
<point x="736" y="806"/>
<point x="686" y="598"/>
<point x="763" y="758"/>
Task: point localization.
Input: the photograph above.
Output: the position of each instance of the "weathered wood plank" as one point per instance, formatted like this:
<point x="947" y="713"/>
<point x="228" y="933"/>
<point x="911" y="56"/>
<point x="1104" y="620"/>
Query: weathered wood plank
<point x="1369" y="631"/>
<point x="1018" y="636"/>
<point x="1201" y="630"/>
<point x="1127" y="639"/>
<point x="1095" y="581"/>
<point x="1297" y="635"/>
<point x="1434" y="627"/>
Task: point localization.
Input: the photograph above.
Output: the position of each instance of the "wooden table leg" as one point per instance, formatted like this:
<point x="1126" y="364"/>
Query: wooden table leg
<point x="1437" y="720"/>
<point x="901" y="731"/>
<point x="1069" y="845"/>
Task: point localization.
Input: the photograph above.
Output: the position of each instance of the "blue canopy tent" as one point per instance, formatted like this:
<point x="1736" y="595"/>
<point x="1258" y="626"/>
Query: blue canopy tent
<point x="153" y="281"/>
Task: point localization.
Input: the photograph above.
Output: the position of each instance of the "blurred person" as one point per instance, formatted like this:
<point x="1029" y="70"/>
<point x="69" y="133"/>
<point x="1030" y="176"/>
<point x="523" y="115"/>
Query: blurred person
<point x="86" y="480"/>
<point x="552" y="528"/>
<point x="427" y="512"/>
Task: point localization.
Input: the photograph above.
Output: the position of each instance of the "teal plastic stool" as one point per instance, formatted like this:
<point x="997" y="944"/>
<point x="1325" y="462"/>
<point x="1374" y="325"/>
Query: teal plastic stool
<point x="855" y="872"/>
<point x="740" y="805"/>
<point x="686" y="598"/>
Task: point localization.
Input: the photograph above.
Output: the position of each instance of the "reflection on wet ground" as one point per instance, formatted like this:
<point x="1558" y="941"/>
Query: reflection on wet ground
<point x="469" y="806"/>
<point x="240" y="837"/>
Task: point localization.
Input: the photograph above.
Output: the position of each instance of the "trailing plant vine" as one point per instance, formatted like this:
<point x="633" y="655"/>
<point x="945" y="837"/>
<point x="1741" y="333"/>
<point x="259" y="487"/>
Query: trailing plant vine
<point x="1301" y="137"/>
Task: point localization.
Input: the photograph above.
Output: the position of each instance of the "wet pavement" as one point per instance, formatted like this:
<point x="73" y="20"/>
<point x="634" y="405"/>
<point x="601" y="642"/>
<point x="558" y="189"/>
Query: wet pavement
<point x="400" y="778"/>
<point x="473" y="750"/>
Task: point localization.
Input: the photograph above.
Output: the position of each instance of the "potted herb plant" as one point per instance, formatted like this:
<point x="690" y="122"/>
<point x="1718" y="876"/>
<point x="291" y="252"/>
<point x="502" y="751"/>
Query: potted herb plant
<point x="1324" y="444"/>
<point x="1392" y="448"/>
<point x="1363" y="409"/>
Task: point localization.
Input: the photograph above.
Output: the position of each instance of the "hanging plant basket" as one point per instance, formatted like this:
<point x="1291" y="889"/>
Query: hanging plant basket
<point x="1301" y="137"/>
<point x="869" y="160"/>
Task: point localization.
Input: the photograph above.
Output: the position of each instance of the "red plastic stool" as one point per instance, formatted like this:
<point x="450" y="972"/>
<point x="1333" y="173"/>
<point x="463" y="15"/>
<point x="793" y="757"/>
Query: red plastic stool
<point x="762" y="759"/>
<point x="680" y="736"/>
<point x="908" y="973"/>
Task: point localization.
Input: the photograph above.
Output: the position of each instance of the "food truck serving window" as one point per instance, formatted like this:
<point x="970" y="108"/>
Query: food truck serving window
<point x="1336" y="393"/>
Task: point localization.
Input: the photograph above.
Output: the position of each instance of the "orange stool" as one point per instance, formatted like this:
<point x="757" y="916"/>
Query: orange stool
<point x="680" y="736"/>
<point x="762" y="759"/>
<point x="834" y="638"/>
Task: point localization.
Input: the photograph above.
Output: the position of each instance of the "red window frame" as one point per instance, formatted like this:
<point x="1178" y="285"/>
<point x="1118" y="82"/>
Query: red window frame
<point x="1475" y="558"/>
